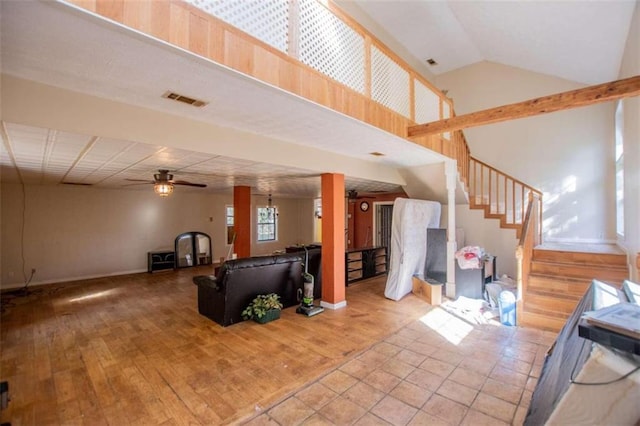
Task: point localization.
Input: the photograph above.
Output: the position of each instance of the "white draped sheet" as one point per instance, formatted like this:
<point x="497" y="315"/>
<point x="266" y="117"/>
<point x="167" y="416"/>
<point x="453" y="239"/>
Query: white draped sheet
<point x="409" y="224"/>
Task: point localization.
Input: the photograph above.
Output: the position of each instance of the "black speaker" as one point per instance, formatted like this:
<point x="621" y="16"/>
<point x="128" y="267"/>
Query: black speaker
<point x="435" y="265"/>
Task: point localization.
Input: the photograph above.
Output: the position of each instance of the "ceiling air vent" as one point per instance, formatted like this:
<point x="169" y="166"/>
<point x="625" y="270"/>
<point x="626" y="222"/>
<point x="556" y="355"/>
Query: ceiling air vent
<point x="184" y="99"/>
<point x="432" y="62"/>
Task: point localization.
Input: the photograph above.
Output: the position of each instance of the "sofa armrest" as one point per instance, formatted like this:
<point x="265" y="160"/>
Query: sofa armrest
<point x="209" y="281"/>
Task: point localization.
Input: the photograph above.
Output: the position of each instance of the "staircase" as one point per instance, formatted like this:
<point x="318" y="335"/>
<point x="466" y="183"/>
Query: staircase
<point x="551" y="278"/>
<point x="559" y="276"/>
<point x="499" y="195"/>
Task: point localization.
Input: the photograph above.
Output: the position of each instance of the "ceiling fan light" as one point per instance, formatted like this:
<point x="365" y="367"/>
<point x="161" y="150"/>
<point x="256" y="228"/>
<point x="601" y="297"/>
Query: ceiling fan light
<point x="163" y="189"/>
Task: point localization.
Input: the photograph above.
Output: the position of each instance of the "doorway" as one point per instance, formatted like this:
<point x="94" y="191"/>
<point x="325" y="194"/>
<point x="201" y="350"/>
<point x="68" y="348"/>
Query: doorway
<point x="383" y="213"/>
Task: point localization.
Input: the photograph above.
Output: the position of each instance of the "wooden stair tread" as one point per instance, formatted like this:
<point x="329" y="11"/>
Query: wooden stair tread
<point x="537" y="320"/>
<point x="556" y="284"/>
<point x="574" y="270"/>
<point x="554" y="294"/>
<point x="563" y="307"/>
<point x="588" y="255"/>
<point x="580" y="265"/>
<point x="579" y="247"/>
<point x="544" y="312"/>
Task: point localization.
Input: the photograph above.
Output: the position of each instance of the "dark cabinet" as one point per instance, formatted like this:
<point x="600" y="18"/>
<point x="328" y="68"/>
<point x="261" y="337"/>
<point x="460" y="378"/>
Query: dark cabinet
<point x="469" y="282"/>
<point x="160" y="260"/>
<point x="365" y="263"/>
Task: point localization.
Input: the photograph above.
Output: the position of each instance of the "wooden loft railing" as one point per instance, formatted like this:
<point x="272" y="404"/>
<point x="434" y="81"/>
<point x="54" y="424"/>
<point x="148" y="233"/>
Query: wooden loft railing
<point x="306" y="47"/>
<point x="500" y="196"/>
<point x="362" y="79"/>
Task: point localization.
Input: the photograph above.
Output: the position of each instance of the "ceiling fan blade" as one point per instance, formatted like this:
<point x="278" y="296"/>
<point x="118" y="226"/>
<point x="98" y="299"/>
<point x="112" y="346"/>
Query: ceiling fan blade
<point x="185" y="183"/>
<point x="140" y="180"/>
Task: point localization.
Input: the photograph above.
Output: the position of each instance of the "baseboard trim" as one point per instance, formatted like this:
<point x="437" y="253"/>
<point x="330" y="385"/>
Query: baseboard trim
<point x="13" y="286"/>
<point x="578" y="240"/>
<point x="334" y="306"/>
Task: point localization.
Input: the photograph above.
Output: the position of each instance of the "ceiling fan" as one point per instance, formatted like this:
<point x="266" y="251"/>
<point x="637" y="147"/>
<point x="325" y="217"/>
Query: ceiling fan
<point x="352" y="195"/>
<point x="163" y="183"/>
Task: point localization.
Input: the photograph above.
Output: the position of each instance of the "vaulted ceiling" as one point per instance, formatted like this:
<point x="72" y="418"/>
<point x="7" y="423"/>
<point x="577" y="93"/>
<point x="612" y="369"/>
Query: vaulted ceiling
<point x="582" y="41"/>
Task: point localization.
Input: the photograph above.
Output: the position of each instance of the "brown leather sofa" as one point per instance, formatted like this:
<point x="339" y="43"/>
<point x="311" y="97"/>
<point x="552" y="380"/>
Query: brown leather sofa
<point x="222" y="298"/>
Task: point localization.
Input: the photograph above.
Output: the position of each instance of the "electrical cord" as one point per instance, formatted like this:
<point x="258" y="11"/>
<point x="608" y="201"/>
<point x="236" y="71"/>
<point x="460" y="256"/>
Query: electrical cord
<point x="26" y="280"/>
<point x="575" y="365"/>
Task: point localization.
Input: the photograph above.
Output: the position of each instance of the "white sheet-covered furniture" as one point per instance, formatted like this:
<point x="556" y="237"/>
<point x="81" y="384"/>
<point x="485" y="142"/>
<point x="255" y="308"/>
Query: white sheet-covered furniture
<point x="409" y="224"/>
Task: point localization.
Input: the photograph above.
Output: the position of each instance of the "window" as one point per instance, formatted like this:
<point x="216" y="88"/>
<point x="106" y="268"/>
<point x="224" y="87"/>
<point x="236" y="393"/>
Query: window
<point x="619" y="169"/>
<point x="267" y="223"/>
<point x="229" y="224"/>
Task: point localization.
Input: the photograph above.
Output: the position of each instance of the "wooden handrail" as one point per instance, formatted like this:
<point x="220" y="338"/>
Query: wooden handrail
<point x="472" y="158"/>
<point x="527" y="219"/>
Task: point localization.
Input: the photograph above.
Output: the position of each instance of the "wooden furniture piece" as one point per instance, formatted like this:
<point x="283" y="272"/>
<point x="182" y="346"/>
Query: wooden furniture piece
<point x="365" y="263"/>
<point x="161" y="260"/>
<point x="431" y="292"/>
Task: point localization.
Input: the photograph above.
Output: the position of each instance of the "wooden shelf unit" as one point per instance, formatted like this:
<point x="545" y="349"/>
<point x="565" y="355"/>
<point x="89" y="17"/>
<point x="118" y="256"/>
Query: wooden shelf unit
<point x="160" y="260"/>
<point x="363" y="263"/>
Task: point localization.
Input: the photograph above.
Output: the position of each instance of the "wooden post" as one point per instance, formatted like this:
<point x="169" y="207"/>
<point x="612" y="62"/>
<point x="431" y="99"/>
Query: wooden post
<point x="242" y="220"/>
<point x="333" y="241"/>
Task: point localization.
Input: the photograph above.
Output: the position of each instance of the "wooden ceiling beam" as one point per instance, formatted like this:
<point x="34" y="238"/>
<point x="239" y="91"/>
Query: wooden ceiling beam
<point x="566" y="100"/>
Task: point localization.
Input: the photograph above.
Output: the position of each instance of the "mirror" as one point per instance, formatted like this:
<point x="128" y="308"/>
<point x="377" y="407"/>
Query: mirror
<point x="192" y="249"/>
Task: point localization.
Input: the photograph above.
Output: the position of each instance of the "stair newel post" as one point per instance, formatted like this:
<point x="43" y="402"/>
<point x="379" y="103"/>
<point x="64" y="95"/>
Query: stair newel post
<point x="451" y="176"/>
<point x="519" y="273"/>
<point x="539" y="221"/>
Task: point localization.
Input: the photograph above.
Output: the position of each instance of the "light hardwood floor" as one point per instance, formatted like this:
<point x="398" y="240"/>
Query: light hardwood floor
<point x="134" y="350"/>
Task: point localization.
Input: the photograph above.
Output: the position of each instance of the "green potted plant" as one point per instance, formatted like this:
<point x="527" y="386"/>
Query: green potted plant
<point x="264" y="308"/>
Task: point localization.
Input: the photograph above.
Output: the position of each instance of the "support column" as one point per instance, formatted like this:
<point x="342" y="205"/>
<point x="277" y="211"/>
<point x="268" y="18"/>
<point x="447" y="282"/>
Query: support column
<point x="451" y="173"/>
<point x="333" y="241"/>
<point x="242" y="220"/>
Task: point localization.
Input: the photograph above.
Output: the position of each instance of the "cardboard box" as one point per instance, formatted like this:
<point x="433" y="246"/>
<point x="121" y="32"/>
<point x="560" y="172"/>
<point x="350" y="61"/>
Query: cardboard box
<point x="431" y="293"/>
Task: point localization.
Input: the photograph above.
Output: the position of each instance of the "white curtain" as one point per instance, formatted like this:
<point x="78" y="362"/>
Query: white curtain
<point x="409" y="224"/>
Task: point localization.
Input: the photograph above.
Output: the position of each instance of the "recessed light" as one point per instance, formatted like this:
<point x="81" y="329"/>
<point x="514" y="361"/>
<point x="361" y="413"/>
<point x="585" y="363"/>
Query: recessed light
<point x="184" y="99"/>
<point x="432" y="62"/>
<point x="376" y="154"/>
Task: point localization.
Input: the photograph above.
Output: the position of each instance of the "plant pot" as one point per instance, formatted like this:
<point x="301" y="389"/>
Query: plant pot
<point x="270" y="315"/>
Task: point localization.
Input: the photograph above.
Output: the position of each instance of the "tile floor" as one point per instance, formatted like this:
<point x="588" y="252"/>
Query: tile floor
<point x="439" y="370"/>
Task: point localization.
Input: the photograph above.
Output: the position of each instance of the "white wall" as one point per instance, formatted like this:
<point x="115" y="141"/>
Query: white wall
<point x="294" y="224"/>
<point x="76" y="232"/>
<point x="568" y="155"/>
<point x="631" y="67"/>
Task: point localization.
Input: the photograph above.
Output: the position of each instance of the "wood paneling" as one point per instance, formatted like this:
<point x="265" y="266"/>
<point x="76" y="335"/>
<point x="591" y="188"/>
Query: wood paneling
<point x="133" y="349"/>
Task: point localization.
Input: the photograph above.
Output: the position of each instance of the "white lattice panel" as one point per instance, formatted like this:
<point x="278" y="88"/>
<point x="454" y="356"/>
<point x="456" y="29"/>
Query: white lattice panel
<point x="427" y="104"/>
<point x="330" y="46"/>
<point x="389" y="82"/>
<point x="266" y="20"/>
